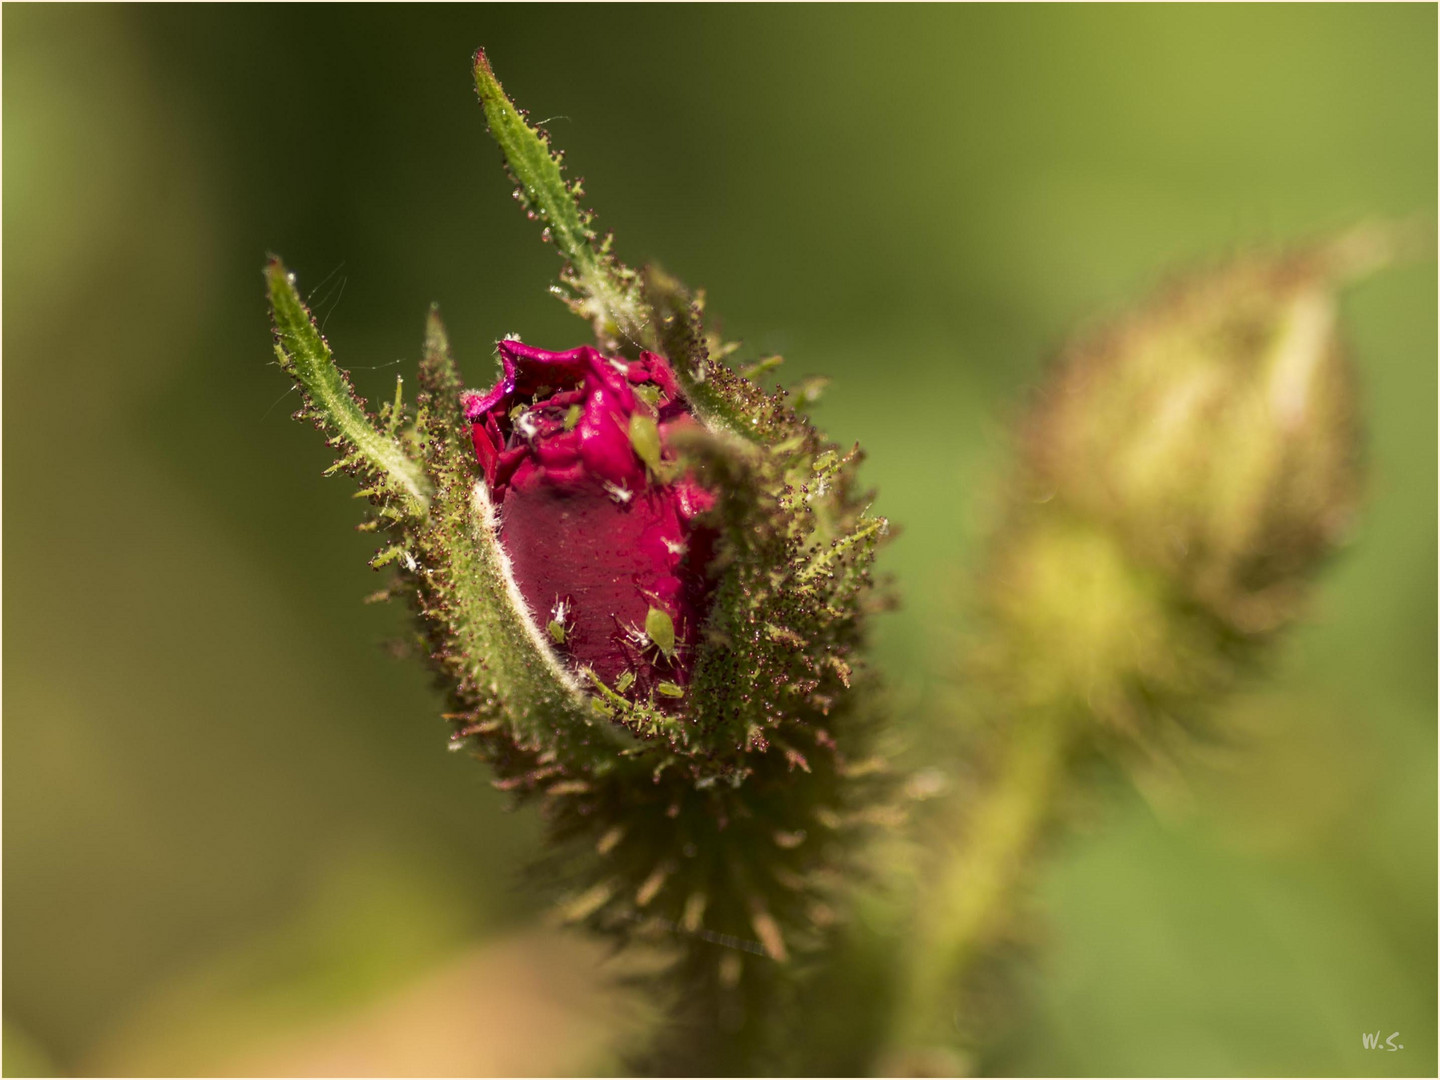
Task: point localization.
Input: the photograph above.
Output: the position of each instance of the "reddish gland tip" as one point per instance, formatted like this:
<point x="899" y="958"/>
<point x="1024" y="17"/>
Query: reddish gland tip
<point x="596" y="538"/>
<point x="482" y="63"/>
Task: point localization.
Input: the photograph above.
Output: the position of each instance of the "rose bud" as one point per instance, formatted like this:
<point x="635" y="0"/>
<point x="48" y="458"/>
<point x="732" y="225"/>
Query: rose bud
<point x="603" y="529"/>
<point x="642" y="581"/>
<point x="1184" y="474"/>
<point x="1215" y="432"/>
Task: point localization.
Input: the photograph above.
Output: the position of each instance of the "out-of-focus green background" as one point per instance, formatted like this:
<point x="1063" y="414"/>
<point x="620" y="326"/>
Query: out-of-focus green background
<point x="232" y="837"/>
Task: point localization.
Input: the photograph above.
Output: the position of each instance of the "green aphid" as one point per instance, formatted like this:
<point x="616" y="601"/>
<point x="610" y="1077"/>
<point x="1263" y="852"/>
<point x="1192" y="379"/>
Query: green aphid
<point x="572" y="416"/>
<point x="670" y="689"/>
<point x="660" y="629"/>
<point x="648" y="394"/>
<point x="645" y="438"/>
<point x="557" y="631"/>
<point x="624" y="682"/>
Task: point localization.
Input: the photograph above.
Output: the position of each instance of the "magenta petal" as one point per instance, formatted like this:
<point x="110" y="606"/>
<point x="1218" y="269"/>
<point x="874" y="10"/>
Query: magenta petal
<point x="605" y="443"/>
<point x="594" y="540"/>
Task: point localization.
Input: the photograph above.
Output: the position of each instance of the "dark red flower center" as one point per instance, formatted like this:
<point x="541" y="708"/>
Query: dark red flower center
<point x="602" y="527"/>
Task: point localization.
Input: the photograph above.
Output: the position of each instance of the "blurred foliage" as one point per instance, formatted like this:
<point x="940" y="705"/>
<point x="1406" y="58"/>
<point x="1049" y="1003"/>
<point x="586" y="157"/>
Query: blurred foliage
<point x="214" y="775"/>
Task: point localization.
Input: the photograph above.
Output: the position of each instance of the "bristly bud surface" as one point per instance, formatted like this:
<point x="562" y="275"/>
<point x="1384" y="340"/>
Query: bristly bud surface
<point x="643" y="581"/>
<point x="1215" y="432"/>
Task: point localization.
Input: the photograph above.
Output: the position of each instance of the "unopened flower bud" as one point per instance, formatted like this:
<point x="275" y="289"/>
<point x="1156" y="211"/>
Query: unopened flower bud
<point x="1215" y="433"/>
<point x="643" y="582"/>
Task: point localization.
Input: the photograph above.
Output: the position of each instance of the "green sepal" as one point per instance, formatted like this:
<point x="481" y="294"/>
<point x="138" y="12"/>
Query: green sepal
<point x="796" y="547"/>
<point x="677" y="331"/>
<point x="604" y="289"/>
<point x="392" y="477"/>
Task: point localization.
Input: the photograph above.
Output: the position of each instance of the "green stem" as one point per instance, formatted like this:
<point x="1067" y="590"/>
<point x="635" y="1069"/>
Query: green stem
<point x="971" y="899"/>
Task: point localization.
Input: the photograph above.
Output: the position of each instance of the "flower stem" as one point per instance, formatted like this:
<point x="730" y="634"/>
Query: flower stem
<point x="970" y="900"/>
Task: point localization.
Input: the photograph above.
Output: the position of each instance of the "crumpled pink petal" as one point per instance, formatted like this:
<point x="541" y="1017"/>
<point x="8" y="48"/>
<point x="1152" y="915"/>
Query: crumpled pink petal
<point x="594" y="539"/>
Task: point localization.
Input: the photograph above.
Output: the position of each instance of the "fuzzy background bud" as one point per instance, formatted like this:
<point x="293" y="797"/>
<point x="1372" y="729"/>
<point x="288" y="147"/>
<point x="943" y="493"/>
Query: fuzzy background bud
<point x="1215" y="432"/>
<point x="1182" y="475"/>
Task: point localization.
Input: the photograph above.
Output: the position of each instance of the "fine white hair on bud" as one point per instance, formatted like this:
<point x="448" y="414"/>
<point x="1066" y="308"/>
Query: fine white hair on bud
<point x="540" y="639"/>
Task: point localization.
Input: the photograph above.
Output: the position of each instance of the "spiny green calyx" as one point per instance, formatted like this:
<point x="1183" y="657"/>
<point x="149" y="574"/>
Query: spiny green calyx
<point x="716" y="804"/>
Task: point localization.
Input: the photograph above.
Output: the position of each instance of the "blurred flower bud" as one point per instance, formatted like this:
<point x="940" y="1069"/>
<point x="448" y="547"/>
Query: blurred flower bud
<point x="1215" y="432"/>
<point x="1181" y="476"/>
<point x="601" y="527"/>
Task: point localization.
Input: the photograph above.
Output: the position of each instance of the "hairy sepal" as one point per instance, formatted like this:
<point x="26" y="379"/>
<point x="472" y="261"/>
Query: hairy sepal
<point x="594" y="283"/>
<point x="392" y="479"/>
